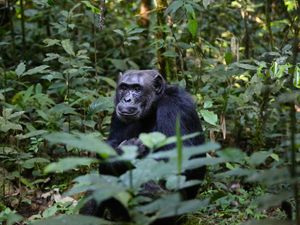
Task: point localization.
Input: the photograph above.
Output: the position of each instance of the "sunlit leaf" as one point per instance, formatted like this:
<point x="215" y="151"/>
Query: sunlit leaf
<point x="72" y="219"/>
<point x="68" y="164"/>
<point x="209" y="117"/>
<point x="232" y="155"/>
<point x="174" y="6"/>
<point x="68" y="47"/>
<point x="32" y="134"/>
<point x="20" y="69"/>
<point x="259" y="157"/>
<point x="81" y="141"/>
<point x="89" y="5"/>
<point x="206" y="3"/>
<point x="193" y="27"/>
<point x="36" y="70"/>
<point x="152" y="140"/>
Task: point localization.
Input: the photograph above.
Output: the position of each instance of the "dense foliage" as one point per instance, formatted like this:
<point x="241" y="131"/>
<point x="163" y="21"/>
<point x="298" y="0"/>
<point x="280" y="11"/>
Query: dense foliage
<point x="59" y="61"/>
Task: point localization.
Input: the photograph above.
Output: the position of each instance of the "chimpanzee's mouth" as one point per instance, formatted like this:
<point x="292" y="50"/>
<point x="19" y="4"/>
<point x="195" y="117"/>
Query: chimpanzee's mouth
<point x="125" y="116"/>
<point x="128" y="114"/>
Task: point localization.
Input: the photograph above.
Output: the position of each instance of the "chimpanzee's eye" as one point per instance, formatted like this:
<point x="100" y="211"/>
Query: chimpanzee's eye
<point x="137" y="88"/>
<point x="123" y="87"/>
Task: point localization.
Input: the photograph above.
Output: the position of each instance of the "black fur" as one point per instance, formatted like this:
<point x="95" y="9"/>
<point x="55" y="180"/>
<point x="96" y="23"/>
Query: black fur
<point x="172" y="103"/>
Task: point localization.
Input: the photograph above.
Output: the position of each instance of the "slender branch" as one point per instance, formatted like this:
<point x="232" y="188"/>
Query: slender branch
<point x="268" y="10"/>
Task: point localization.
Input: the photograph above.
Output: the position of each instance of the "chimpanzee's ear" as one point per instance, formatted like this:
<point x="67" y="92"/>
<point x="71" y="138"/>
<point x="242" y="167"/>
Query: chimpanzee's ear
<point x="159" y="84"/>
<point x="120" y="76"/>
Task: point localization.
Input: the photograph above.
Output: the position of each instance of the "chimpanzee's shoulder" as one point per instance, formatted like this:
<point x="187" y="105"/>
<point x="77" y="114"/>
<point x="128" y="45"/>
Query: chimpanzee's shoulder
<point x="177" y="95"/>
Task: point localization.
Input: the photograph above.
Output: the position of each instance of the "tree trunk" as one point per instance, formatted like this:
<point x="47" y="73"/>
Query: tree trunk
<point x="161" y="5"/>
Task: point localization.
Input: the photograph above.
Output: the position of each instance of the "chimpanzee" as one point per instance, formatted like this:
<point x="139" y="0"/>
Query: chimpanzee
<point x="145" y="103"/>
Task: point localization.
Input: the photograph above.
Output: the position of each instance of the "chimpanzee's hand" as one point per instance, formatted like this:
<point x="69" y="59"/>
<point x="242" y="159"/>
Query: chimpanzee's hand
<point x="142" y="150"/>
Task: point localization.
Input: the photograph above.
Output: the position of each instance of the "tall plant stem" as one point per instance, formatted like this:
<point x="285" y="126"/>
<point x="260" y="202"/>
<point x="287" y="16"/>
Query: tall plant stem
<point x="23" y="27"/>
<point x="268" y="10"/>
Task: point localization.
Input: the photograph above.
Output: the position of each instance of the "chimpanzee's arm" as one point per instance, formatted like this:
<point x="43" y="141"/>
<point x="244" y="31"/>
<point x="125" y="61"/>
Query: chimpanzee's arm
<point x="178" y="104"/>
<point x="116" y="136"/>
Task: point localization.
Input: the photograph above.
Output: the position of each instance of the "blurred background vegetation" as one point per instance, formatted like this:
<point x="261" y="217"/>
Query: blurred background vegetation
<point x="59" y="61"/>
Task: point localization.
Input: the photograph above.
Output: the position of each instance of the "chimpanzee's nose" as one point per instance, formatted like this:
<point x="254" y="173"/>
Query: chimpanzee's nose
<point x="127" y="99"/>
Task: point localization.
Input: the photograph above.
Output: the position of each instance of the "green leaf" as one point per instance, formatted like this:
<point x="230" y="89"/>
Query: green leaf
<point x="207" y="3"/>
<point x="31" y="134"/>
<point x="136" y="31"/>
<point x="13" y="115"/>
<point x="209" y="117"/>
<point x="174" y="6"/>
<point x="188" y="151"/>
<point x="72" y="219"/>
<point x="228" y="58"/>
<point x="170" y="54"/>
<point x="50" y="211"/>
<point x="109" y="81"/>
<point x="120" y="32"/>
<point x="51" y="56"/>
<point x="270" y="200"/>
<point x="199" y="162"/>
<point x="208" y="104"/>
<point x="6" y="126"/>
<point x="259" y="157"/>
<point x="246" y="66"/>
<point x="152" y="140"/>
<point x="103" y="186"/>
<point x="269" y="222"/>
<point x="275" y="156"/>
<point x="232" y="155"/>
<point x="50" y="42"/>
<point x="171" y="205"/>
<point x="120" y="64"/>
<point x="38" y="69"/>
<point x="82" y="141"/>
<point x="296" y="80"/>
<point x="68" y="164"/>
<point x="68" y="47"/>
<point x="99" y="105"/>
<point x="30" y="163"/>
<point x="147" y="170"/>
<point x="89" y="5"/>
<point x="190" y="10"/>
<point x="193" y="27"/>
<point x="9" y="216"/>
<point x="20" y="69"/>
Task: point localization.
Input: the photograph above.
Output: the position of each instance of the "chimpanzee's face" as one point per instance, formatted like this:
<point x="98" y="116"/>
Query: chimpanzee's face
<point x="137" y="91"/>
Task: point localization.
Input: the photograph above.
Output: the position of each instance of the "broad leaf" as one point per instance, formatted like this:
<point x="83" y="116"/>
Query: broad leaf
<point x="193" y="27"/>
<point x="36" y="70"/>
<point x="209" y="117"/>
<point x="68" y="47"/>
<point x="72" y="219"/>
<point x="68" y="164"/>
<point x="152" y="140"/>
<point x="81" y="141"/>
<point x="20" y="69"/>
